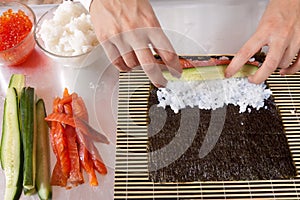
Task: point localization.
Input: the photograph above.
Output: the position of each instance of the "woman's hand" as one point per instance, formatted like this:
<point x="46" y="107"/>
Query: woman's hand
<point x="279" y="29"/>
<point x="126" y="29"/>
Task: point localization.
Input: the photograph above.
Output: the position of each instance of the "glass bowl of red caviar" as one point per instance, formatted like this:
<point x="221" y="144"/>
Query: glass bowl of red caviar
<point x="17" y="24"/>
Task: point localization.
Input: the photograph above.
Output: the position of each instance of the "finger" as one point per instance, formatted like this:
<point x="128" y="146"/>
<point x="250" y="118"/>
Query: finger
<point x="165" y="50"/>
<point x="243" y="55"/>
<point x="121" y="42"/>
<point x="292" y="69"/>
<point x="171" y="60"/>
<point x="270" y="64"/>
<point x="130" y="59"/>
<point x="114" y="56"/>
<point x="121" y="65"/>
<point x="150" y="67"/>
<point x="288" y="56"/>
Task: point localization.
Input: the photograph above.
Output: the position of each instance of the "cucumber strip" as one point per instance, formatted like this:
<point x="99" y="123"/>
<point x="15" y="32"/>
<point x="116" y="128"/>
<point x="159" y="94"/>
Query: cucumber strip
<point x="11" y="146"/>
<point x="43" y="153"/>
<point x="29" y="192"/>
<point x="17" y="81"/>
<point x="210" y="73"/>
<point x="28" y="135"/>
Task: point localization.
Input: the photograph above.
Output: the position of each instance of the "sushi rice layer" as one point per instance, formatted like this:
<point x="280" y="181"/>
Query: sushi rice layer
<point x="213" y="94"/>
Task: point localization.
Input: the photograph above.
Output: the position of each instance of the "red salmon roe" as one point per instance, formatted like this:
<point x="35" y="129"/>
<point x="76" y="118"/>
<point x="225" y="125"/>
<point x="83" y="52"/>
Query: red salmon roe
<point x="14" y="27"/>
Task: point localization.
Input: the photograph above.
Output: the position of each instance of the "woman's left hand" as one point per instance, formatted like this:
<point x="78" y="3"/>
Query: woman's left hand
<point x="279" y="29"/>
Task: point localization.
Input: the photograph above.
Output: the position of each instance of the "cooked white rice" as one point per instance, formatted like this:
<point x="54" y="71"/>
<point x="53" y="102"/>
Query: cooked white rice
<point x="70" y="31"/>
<point x="213" y="94"/>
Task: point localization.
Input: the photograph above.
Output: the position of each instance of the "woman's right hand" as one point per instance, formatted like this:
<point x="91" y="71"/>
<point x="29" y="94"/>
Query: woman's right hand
<point x="126" y="29"/>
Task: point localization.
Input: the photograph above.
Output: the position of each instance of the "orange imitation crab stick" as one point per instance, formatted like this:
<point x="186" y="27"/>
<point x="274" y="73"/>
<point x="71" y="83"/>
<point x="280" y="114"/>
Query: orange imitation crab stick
<point x="61" y="146"/>
<point x="88" y="165"/>
<point x="61" y="118"/>
<point x="79" y="109"/>
<point x="99" y="165"/>
<point x="93" y="153"/>
<point x="57" y="177"/>
<point x="76" y="176"/>
<point x="68" y="109"/>
<point x="72" y="142"/>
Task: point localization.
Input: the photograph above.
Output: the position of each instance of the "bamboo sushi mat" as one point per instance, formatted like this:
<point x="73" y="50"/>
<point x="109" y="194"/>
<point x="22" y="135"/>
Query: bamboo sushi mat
<point x="131" y="170"/>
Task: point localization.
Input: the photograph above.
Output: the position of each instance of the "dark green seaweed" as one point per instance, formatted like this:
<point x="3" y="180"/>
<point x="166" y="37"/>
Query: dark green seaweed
<point x="252" y="146"/>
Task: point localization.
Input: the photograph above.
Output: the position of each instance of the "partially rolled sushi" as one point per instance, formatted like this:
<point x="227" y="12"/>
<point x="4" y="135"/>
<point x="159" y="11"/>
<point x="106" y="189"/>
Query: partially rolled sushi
<point x="204" y="86"/>
<point x="210" y="67"/>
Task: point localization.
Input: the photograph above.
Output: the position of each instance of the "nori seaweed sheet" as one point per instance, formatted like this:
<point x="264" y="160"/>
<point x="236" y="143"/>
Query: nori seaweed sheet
<point x="252" y="146"/>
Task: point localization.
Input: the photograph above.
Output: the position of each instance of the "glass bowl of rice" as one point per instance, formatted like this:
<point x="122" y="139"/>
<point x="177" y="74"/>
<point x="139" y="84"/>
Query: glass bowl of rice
<point x="17" y="22"/>
<point x="65" y="34"/>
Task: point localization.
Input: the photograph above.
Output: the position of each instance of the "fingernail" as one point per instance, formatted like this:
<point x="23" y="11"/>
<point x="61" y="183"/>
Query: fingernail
<point x="250" y="79"/>
<point x="179" y="71"/>
<point x="282" y="74"/>
<point x="177" y="75"/>
<point x="159" y="86"/>
<point x="227" y="75"/>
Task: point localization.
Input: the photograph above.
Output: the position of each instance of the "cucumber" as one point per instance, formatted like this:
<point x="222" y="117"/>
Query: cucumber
<point x="43" y="153"/>
<point x="29" y="192"/>
<point x="11" y="146"/>
<point x="17" y="81"/>
<point x="28" y="135"/>
<point x="210" y="73"/>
